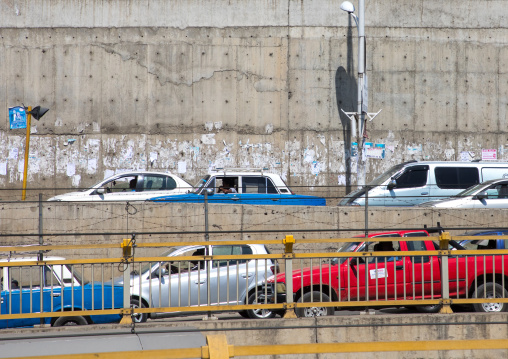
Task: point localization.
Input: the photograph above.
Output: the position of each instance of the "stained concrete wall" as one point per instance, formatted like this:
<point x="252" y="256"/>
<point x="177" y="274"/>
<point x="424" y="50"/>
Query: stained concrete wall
<point x="153" y="84"/>
<point x="415" y="328"/>
<point x="75" y="224"/>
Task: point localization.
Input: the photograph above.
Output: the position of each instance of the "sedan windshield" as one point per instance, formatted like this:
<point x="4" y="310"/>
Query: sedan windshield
<point x="470" y="191"/>
<point x="149" y="265"/>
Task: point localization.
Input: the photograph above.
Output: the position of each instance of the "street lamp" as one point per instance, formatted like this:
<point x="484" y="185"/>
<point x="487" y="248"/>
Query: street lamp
<point x="362" y="88"/>
<point x="37" y="112"/>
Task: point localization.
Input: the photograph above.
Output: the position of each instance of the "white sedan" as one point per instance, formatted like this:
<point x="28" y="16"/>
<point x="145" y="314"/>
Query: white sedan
<point x="130" y="186"/>
<point x="489" y="194"/>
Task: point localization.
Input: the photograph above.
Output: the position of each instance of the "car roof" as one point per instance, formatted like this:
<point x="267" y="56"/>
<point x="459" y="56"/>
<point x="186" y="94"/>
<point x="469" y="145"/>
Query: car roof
<point x="482" y="232"/>
<point x="29" y="258"/>
<point x="400" y="233"/>
<point x="458" y="163"/>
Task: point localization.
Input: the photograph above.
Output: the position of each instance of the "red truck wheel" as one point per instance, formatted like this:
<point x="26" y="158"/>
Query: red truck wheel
<point x="314" y="311"/>
<point x="490" y="290"/>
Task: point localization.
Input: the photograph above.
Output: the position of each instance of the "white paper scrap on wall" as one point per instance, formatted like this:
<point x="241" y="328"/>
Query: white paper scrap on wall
<point x="341" y="180"/>
<point x="71" y="169"/>
<point x="21" y="166"/>
<point x="3" y="168"/>
<point x="92" y="165"/>
<point x="182" y="167"/>
<point x="13" y="153"/>
<point x="153" y="156"/>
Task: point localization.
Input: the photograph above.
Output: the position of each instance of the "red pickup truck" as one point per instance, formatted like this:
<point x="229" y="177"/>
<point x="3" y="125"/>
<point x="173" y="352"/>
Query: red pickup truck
<point x="395" y="277"/>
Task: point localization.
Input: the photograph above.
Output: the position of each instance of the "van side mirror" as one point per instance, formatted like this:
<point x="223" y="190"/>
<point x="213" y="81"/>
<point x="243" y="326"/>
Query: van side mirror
<point x="480" y="196"/>
<point x="99" y="190"/>
<point x="392" y="184"/>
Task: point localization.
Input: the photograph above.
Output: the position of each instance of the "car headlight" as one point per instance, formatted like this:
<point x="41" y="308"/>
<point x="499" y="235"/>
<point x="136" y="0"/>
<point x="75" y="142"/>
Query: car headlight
<point x="281" y="288"/>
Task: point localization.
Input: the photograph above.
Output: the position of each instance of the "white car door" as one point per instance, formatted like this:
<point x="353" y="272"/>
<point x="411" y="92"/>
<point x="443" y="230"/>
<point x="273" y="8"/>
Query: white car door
<point x="229" y="279"/>
<point x="496" y="196"/>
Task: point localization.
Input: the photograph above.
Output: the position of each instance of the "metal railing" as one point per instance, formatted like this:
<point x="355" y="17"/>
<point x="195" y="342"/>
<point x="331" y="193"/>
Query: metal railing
<point x="425" y="272"/>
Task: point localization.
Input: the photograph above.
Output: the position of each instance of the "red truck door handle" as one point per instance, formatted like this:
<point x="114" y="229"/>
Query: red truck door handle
<point x="399" y="267"/>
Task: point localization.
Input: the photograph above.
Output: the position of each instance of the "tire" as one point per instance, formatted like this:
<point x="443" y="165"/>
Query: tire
<point x="258" y="313"/>
<point x="490" y="289"/>
<point x="429" y="308"/>
<point x="244" y="314"/>
<point x="138" y="317"/>
<point x="70" y="321"/>
<point x="314" y="311"/>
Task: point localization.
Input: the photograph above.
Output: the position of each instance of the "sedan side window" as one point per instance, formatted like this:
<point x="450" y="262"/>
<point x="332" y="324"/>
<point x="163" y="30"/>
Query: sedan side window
<point x="121" y="184"/>
<point x="230" y="250"/>
<point x="257" y="184"/>
<point x="158" y="183"/>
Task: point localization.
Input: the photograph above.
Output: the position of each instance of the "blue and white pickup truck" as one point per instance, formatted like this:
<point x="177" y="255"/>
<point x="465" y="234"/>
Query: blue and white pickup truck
<point x="58" y="288"/>
<point x="243" y="186"/>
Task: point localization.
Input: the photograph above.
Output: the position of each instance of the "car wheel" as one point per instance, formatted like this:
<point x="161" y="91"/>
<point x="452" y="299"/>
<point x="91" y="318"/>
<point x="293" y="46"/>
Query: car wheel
<point x="63" y="321"/>
<point x="258" y="313"/>
<point x="490" y="290"/>
<point x="244" y="314"/>
<point x="138" y="317"/>
<point x="314" y="311"/>
<point x="429" y="308"/>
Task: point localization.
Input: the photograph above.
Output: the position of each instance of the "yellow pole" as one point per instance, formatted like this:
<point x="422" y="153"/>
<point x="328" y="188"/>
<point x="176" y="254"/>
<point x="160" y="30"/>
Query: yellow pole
<point x="27" y="149"/>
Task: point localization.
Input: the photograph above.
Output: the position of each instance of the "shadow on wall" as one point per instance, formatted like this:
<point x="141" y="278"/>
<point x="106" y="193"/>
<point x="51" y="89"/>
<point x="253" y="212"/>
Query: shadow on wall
<point x="346" y="90"/>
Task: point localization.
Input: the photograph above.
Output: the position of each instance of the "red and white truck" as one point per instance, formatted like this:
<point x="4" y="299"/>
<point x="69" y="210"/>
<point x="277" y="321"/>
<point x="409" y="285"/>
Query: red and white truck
<point x="394" y="277"/>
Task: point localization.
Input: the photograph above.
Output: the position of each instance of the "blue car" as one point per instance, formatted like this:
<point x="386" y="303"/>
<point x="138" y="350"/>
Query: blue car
<point x="485" y="243"/>
<point x="61" y="289"/>
<point x="243" y="187"/>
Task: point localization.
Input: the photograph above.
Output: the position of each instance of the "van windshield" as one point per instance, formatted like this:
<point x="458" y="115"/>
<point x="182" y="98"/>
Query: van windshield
<point x="201" y="183"/>
<point x="387" y="175"/>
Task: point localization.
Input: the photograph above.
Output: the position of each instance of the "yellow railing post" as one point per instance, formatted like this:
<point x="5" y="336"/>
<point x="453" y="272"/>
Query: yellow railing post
<point x="217" y="347"/>
<point x="126" y="245"/>
<point x="288" y="258"/>
<point x="27" y="151"/>
<point x="444" y="240"/>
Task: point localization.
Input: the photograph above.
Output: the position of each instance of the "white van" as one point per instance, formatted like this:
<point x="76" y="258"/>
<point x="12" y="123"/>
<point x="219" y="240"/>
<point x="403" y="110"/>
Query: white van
<point x="411" y="183"/>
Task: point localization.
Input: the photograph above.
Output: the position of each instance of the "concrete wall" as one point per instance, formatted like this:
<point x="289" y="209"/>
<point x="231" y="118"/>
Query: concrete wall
<point x="415" y="328"/>
<point x="74" y="224"/>
<point x="151" y="84"/>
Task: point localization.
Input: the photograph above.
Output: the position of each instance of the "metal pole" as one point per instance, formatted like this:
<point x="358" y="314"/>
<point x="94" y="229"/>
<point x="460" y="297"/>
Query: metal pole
<point x="361" y="73"/>
<point x="27" y="149"/>
<point x="41" y="240"/>
<point x="367" y="214"/>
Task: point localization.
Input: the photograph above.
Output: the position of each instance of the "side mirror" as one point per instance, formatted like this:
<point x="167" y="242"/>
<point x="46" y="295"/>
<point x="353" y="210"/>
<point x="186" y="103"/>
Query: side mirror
<point x="392" y="184"/>
<point x="209" y="191"/>
<point x="159" y="272"/>
<point x="334" y="261"/>
<point x="99" y="190"/>
<point x="480" y="196"/>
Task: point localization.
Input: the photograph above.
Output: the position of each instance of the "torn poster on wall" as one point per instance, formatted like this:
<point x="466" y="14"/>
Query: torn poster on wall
<point x="489" y="154"/>
<point x="376" y="151"/>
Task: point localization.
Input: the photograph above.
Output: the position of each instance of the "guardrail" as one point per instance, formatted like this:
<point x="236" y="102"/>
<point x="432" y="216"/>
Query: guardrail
<point x="218" y="348"/>
<point x="426" y="272"/>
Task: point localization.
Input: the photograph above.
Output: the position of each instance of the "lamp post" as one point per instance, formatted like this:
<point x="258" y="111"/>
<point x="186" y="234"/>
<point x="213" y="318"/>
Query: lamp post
<point x="362" y="89"/>
<point x="37" y="113"/>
